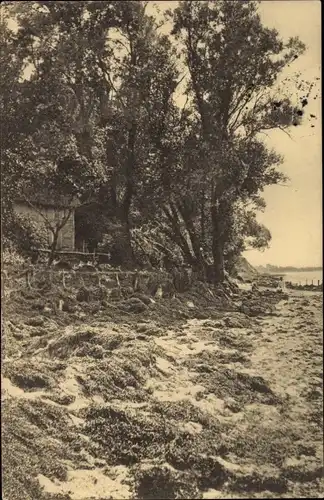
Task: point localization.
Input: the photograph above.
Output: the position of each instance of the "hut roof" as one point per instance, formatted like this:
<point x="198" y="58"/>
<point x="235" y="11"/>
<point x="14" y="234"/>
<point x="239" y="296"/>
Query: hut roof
<point x="47" y="199"/>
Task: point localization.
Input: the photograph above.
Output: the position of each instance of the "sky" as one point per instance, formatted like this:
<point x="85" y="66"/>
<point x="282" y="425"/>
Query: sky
<point x="294" y="212"/>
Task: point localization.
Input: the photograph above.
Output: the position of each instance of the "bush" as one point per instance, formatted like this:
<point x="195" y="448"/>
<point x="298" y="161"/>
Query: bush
<point x="23" y="234"/>
<point x="10" y="257"/>
<point x="151" y="247"/>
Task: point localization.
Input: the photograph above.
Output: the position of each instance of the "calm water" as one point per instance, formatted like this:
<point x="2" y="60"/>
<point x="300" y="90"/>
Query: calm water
<point x="302" y="276"/>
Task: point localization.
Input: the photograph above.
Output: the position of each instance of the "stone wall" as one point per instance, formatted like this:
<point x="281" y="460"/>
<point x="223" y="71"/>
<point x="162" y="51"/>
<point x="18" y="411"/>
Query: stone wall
<point x="151" y="283"/>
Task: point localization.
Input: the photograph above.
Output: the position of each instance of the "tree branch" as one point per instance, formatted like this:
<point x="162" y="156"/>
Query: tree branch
<point x="111" y="83"/>
<point x="46" y="222"/>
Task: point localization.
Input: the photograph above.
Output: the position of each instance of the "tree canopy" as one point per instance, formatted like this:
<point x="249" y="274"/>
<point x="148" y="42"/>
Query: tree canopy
<point x="90" y="94"/>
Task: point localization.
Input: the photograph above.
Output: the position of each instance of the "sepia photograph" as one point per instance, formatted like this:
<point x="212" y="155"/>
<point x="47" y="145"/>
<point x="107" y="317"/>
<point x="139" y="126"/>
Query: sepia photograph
<point x="161" y="250"/>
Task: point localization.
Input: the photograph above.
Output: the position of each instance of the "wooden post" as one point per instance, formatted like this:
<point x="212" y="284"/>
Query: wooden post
<point x="135" y="281"/>
<point x="318" y="282"/>
<point x="29" y="276"/>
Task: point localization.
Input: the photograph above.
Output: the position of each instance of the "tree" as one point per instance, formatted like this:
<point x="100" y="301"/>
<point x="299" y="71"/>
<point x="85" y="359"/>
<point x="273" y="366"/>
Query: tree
<point x="54" y="148"/>
<point x="100" y="119"/>
<point x="105" y="77"/>
<point x="70" y="183"/>
<point x="233" y="62"/>
<point x="143" y="76"/>
<point x="12" y="97"/>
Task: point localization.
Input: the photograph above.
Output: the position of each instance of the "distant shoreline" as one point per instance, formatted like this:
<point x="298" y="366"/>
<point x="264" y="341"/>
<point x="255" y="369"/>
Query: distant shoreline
<point x="296" y="277"/>
<point x="278" y="270"/>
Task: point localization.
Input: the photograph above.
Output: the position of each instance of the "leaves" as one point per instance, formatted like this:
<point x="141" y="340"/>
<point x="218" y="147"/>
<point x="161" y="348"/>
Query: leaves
<point x="90" y="94"/>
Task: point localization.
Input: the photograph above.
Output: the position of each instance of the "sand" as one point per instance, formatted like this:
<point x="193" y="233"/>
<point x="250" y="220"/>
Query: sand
<point x="143" y="410"/>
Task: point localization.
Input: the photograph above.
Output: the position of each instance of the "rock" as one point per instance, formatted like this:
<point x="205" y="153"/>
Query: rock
<point x="255" y="482"/>
<point x="304" y="469"/>
<point x="108" y="282"/>
<point x="127" y="291"/>
<point x="38" y="305"/>
<point x="144" y="298"/>
<point x="115" y="293"/>
<point x="201" y="315"/>
<point x="306" y="450"/>
<point x="232" y="405"/>
<point x="133" y="304"/>
<point x="38" y="333"/>
<point x="61" y="399"/>
<point x="37" y="321"/>
<point x="233" y="322"/>
<point x="204" y="368"/>
<point x="105" y="267"/>
<point x="141" y="337"/>
<point x="81" y="315"/>
<point x="62" y="265"/>
<point x="83" y="295"/>
<point x="91" y="350"/>
<point x="18" y="335"/>
<point x="69" y="305"/>
<point x="161" y="481"/>
<point x="99" y="462"/>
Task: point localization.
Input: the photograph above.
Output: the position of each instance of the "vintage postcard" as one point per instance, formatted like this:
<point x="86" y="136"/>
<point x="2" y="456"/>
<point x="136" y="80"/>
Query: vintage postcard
<point x="161" y="250"/>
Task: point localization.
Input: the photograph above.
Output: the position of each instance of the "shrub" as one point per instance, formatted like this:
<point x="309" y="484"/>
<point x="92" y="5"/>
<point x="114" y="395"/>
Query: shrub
<point x="23" y="234"/>
<point x="10" y="257"/>
<point x="152" y="247"/>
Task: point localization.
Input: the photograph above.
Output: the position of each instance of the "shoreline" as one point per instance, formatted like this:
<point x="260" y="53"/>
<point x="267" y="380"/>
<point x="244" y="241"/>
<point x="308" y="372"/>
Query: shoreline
<point x="209" y="404"/>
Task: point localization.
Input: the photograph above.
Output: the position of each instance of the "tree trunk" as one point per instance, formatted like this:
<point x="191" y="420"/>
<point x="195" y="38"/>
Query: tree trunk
<point x="217" y="245"/>
<point x="113" y="193"/>
<point x="129" y="193"/>
<point x="203" y="218"/>
<point x="200" y="265"/>
<point x="177" y="235"/>
<point x="123" y="239"/>
<point x="218" y="256"/>
<point x="53" y="247"/>
<point x="183" y="245"/>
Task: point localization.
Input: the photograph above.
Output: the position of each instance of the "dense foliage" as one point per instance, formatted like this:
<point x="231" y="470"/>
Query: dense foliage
<point x="90" y="91"/>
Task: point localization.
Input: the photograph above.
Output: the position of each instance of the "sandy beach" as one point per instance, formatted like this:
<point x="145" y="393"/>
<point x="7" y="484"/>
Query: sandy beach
<point x="225" y="406"/>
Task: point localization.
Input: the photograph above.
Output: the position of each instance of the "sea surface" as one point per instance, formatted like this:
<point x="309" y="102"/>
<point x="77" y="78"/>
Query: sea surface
<point x="302" y="276"/>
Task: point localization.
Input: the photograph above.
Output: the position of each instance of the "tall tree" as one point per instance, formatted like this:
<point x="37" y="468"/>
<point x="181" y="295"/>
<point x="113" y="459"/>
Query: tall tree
<point x="101" y="85"/>
<point x="233" y="62"/>
<point x="143" y="76"/>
